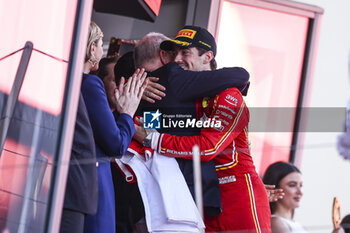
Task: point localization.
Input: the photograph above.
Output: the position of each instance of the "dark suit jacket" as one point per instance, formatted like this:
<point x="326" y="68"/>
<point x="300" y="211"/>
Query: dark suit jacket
<point x="81" y="189"/>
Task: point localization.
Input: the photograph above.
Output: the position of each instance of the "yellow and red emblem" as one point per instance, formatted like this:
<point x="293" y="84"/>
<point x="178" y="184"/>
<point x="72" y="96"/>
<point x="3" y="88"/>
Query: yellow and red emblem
<point x="205" y="102"/>
<point x="186" y="33"/>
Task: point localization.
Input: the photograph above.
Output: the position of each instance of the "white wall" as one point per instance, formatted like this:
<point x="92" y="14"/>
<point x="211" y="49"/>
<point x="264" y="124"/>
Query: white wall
<point x="326" y="174"/>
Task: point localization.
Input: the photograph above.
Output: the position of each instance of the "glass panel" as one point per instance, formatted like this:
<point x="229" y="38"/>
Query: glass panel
<point x="41" y="75"/>
<point x="270" y="45"/>
<point x="48" y="24"/>
<point x="29" y="153"/>
<point x="23" y="200"/>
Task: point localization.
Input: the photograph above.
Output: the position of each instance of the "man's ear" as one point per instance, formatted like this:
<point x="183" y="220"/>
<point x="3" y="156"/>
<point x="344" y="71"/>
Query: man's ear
<point x="163" y="57"/>
<point x="208" y="56"/>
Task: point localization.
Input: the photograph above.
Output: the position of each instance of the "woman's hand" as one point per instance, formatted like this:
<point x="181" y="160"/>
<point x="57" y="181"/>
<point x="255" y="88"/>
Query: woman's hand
<point x="129" y="95"/>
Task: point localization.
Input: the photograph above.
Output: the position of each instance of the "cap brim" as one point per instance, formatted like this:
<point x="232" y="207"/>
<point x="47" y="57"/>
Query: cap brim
<point x="170" y="44"/>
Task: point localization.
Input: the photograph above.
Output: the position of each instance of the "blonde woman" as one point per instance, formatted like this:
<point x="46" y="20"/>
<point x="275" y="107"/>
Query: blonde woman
<point x="112" y="138"/>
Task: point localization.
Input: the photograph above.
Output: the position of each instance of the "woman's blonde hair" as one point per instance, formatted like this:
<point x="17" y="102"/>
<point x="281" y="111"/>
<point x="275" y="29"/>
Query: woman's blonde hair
<point x="95" y="33"/>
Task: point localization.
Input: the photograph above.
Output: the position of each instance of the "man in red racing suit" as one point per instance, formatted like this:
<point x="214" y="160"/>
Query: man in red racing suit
<point x="244" y="199"/>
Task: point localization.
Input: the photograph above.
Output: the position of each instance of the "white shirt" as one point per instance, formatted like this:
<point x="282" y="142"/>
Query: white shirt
<point x="295" y="227"/>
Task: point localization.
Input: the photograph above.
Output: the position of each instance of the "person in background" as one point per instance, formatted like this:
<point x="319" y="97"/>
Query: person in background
<point x="345" y="223"/>
<point x="106" y="74"/>
<point x="288" y="177"/>
<point x="128" y="203"/>
<point x="111" y="138"/>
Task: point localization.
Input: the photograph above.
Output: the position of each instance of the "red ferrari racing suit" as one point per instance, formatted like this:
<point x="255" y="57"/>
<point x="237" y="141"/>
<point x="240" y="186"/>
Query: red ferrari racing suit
<point x="244" y="199"/>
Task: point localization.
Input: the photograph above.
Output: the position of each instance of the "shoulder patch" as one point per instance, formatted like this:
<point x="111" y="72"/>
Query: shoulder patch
<point x="205" y="102"/>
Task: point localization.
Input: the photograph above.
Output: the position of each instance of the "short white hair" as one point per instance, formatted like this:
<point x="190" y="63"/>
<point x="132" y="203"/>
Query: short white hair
<point x="148" y="48"/>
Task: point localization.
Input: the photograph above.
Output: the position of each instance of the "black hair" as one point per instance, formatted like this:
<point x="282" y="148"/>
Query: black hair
<point x="213" y="64"/>
<point x="102" y="71"/>
<point x="275" y="173"/>
<point x="125" y="67"/>
<point x="345" y="223"/>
